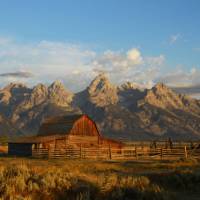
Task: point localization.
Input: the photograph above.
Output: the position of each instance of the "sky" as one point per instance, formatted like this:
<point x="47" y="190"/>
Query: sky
<point x="139" y="41"/>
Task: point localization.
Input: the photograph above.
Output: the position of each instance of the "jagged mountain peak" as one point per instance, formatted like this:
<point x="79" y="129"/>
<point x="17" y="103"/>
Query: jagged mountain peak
<point x="58" y="87"/>
<point x="58" y="94"/>
<point x="38" y="94"/>
<point x="161" y="90"/>
<point x="57" y="84"/>
<point x="101" y="82"/>
<point x="161" y="87"/>
<point x="101" y="77"/>
<point x="102" y="92"/>
<point x="163" y="96"/>
<point x="39" y="86"/>
<point x="13" y="92"/>
<point x="14" y="85"/>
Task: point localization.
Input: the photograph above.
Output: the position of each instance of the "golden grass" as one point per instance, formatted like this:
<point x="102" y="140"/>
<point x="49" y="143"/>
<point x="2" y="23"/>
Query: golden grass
<point x="3" y="149"/>
<point x="31" y="179"/>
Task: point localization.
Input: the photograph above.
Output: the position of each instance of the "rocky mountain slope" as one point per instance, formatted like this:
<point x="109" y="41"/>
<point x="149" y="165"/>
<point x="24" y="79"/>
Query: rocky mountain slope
<point x="127" y="111"/>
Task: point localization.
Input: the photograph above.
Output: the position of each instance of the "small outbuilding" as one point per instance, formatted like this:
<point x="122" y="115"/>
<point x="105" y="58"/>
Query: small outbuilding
<point x="60" y="133"/>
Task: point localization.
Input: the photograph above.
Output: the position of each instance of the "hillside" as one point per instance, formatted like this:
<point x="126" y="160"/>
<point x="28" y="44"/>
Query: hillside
<point x="127" y="111"/>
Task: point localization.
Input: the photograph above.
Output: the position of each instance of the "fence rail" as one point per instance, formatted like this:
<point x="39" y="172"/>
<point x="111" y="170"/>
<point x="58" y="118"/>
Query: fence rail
<point x="128" y="153"/>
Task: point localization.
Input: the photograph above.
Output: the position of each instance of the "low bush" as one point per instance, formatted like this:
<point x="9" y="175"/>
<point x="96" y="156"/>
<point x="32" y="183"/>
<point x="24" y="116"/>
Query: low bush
<point x="75" y="181"/>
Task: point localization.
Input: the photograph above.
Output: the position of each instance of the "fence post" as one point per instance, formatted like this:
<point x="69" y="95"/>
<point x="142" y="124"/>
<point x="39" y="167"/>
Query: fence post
<point x="185" y="152"/>
<point x="136" y="154"/>
<point x="80" y="151"/>
<point x="98" y="152"/>
<point x="49" y="153"/>
<point x="122" y="153"/>
<point x="110" y="153"/>
<point x="161" y="153"/>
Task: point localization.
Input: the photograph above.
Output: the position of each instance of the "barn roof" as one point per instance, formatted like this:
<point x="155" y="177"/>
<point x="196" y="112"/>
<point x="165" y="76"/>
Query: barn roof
<point x="60" y="125"/>
<point x="24" y="139"/>
<point x="35" y="139"/>
<point x="52" y="128"/>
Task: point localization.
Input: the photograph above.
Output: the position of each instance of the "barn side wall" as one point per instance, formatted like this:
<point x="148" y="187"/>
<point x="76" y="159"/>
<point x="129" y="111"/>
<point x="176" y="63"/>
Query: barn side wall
<point x="86" y="141"/>
<point x="79" y="140"/>
<point x="111" y="143"/>
<point x="19" y="149"/>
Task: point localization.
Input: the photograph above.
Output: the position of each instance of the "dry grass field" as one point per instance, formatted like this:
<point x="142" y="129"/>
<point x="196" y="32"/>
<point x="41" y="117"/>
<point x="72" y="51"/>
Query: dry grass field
<point x="35" y="179"/>
<point x="3" y="149"/>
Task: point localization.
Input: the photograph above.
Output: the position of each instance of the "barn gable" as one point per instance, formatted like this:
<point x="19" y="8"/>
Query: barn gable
<point x="69" y="125"/>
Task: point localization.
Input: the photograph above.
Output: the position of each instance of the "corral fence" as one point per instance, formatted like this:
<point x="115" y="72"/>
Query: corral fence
<point x="125" y="153"/>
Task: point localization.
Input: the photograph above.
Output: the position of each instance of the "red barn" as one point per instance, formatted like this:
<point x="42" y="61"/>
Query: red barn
<point x="59" y="133"/>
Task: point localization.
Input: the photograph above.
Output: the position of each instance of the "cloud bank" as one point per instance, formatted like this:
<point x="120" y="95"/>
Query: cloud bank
<point x="76" y="65"/>
<point x="181" y="78"/>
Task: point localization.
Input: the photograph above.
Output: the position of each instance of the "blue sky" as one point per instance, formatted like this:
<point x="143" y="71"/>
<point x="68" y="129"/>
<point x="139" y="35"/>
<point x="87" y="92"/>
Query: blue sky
<point x="99" y="34"/>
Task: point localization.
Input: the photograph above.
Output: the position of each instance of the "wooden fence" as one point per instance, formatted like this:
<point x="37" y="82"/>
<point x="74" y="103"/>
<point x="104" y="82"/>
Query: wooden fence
<point x="126" y="153"/>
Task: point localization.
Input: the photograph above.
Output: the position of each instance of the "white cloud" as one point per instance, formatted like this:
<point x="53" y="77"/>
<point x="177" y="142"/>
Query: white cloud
<point x="74" y="64"/>
<point x="77" y="65"/>
<point x="5" y="40"/>
<point x="174" y="38"/>
<point x="112" y="61"/>
<point x="134" y="56"/>
<point x="129" y="66"/>
<point x="180" y="78"/>
<point x="47" y="60"/>
<point x="157" y="60"/>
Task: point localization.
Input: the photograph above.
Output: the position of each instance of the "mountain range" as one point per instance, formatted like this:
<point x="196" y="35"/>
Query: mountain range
<point x="125" y="112"/>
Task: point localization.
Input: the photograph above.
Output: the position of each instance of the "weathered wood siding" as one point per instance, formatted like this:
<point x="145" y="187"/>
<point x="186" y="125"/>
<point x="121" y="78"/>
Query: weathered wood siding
<point x="72" y="140"/>
<point x="83" y="140"/>
<point x="85" y="127"/>
<point x="60" y="143"/>
<point x="109" y="142"/>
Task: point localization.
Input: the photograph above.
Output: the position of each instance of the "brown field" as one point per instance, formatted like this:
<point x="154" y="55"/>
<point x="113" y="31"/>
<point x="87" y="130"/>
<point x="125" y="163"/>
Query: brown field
<point x="35" y="179"/>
